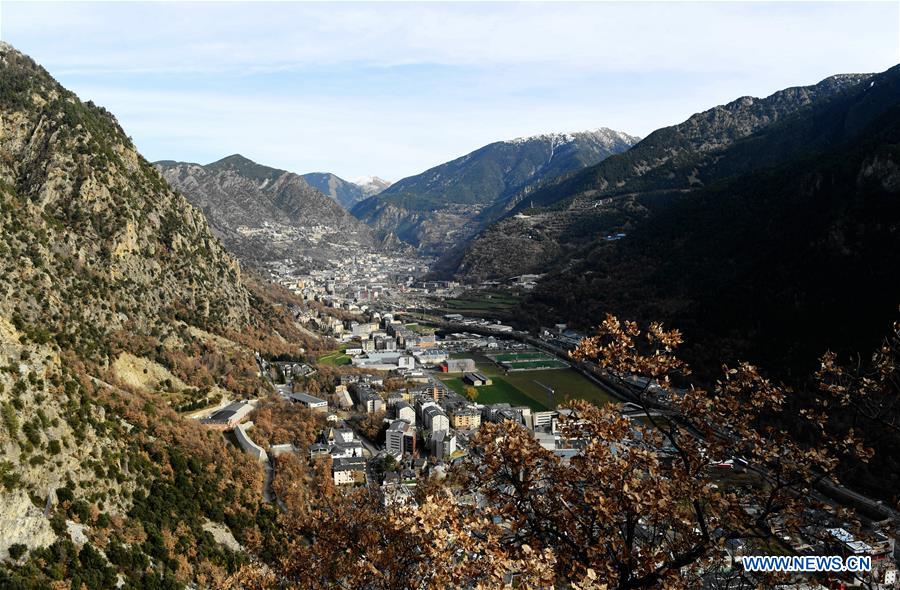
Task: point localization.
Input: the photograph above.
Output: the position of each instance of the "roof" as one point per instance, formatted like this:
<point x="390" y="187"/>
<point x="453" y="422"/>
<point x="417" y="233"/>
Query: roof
<point x="228" y="412"/>
<point x="349" y="464"/>
<point x="306" y="398"/>
<point x="399" y="426"/>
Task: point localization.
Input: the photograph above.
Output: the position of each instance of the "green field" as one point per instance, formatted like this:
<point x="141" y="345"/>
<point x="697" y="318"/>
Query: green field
<point x="420" y="329"/>
<point x="515" y="386"/>
<point x="481" y="301"/>
<point x="335" y="358"/>
<point x="499" y="391"/>
<point x="527" y="361"/>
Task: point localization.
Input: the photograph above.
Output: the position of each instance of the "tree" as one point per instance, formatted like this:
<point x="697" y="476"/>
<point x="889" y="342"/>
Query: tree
<point x="638" y="506"/>
<point x="471" y="392"/>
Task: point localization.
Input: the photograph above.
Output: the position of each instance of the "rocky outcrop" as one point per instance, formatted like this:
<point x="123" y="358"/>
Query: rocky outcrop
<point x="22" y="523"/>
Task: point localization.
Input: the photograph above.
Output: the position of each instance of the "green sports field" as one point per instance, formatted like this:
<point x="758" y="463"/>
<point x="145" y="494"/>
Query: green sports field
<point x="515" y="387"/>
<point x="519" y="356"/>
<point x="498" y="392"/>
<point x="527" y="360"/>
<point x="335" y="358"/>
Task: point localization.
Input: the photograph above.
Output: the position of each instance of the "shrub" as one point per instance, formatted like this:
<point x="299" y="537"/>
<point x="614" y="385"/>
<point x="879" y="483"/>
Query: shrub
<point x="17" y="550"/>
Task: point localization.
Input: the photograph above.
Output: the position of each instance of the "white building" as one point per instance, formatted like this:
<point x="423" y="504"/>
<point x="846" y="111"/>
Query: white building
<point x="406" y="412"/>
<point x="443" y="444"/>
<point x="385" y="361"/>
<point x="348" y="471"/>
<point x="309" y="401"/>
<point x="433" y="417"/>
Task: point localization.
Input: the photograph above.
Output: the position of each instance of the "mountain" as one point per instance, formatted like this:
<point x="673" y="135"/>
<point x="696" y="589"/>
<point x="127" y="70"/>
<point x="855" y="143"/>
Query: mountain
<point x="371" y="185"/>
<point x="772" y="264"/>
<point x="345" y="193"/>
<point x="610" y="197"/>
<point x="446" y="204"/>
<point x="263" y="214"/>
<point x="776" y="265"/>
<point x="119" y="306"/>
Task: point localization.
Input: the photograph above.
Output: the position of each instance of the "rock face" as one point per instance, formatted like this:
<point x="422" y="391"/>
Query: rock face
<point x="606" y="198"/>
<point x="22" y="523"/>
<point x="445" y="205"/>
<point x="99" y="257"/>
<point x="92" y="233"/>
<point x="262" y="213"/>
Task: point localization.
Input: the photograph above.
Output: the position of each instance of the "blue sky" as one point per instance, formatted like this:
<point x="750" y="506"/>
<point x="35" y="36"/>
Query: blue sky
<point x="391" y="89"/>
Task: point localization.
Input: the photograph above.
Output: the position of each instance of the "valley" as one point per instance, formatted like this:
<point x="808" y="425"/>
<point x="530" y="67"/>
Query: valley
<point x="567" y="360"/>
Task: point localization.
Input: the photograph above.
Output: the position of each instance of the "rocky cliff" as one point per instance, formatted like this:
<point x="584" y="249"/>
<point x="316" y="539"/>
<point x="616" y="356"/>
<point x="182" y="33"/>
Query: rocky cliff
<point x="106" y="267"/>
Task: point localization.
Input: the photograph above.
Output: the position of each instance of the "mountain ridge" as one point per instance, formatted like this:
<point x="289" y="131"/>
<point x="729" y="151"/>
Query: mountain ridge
<point x="601" y="199"/>
<point x="436" y="209"/>
<point x="241" y="199"/>
<point x="120" y="307"/>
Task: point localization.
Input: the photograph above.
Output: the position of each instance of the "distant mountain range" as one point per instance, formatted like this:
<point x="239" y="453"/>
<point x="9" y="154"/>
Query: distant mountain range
<point x="347" y="193"/>
<point x="371" y="185"/>
<point x="264" y="213"/>
<point x="445" y="205"/>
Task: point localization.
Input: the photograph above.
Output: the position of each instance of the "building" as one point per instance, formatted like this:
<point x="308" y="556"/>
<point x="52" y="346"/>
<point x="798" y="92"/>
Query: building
<point x="318" y="450"/>
<point x="348" y="471"/>
<point x="358" y="330"/>
<point x="309" y="401"/>
<point x="404" y="411"/>
<point x="443" y="444"/>
<point x="342" y="397"/>
<point x="229" y="416"/>
<point x="400" y="438"/>
<point x="465" y="418"/>
<point x="340" y="435"/>
<point x="384" y="361"/>
<point x="458" y="366"/>
<point x="366" y="399"/>
<point x="429" y="358"/>
<point x="433" y="417"/>
<point x="477" y="379"/>
<point x="890" y="576"/>
<point x="346" y="450"/>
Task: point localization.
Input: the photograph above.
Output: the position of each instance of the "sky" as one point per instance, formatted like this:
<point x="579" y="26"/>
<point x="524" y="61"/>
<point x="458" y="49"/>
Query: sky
<point x="391" y="89"/>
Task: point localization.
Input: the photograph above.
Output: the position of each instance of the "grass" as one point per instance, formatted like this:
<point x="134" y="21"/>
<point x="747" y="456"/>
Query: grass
<point x="527" y="361"/>
<point x="499" y="391"/>
<point x="420" y="329"/>
<point x="335" y="358"/>
<point x="520" y="387"/>
<point x="482" y="301"/>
